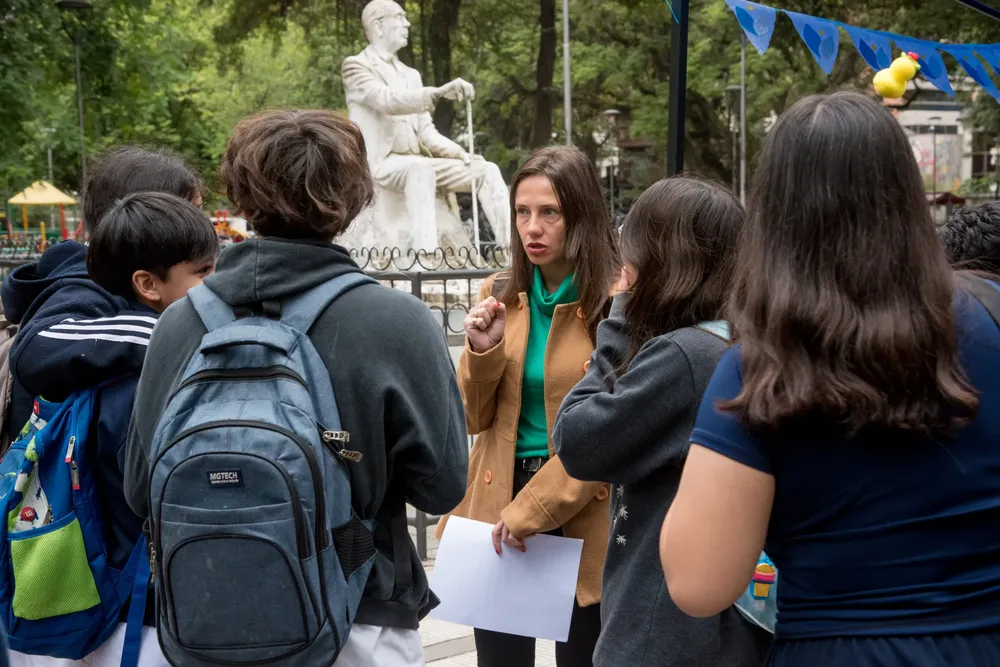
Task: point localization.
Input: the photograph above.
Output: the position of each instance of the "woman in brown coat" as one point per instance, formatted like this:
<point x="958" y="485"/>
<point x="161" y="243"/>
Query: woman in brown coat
<point x="528" y="343"/>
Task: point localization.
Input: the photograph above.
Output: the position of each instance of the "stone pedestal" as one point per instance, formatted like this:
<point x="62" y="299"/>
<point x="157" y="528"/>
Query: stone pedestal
<point x="388" y="224"/>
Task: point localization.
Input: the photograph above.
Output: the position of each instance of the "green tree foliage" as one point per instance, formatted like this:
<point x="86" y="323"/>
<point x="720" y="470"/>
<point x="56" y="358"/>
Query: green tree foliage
<point x="180" y="73"/>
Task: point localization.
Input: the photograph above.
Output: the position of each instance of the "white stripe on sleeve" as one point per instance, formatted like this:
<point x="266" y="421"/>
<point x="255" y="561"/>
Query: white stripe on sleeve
<point x="95" y="336"/>
<point x="117" y="318"/>
<point x="103" y="327"/>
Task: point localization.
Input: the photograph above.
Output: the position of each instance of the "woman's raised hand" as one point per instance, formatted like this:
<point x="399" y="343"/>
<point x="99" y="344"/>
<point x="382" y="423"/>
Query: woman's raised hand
<point x="484" y="325"/>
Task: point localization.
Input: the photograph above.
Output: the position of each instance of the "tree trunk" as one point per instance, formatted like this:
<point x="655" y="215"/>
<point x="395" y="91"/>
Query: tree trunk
<point x="444" y="18"/>
<point x="541" y="132"/>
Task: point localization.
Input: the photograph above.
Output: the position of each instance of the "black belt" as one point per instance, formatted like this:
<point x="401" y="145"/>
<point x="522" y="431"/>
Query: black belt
<point x="531" y="463"/>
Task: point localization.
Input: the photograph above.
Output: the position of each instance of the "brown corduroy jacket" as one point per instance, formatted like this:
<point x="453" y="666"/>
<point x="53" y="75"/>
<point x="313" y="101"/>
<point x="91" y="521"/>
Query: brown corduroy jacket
<point x="491" y="387"/>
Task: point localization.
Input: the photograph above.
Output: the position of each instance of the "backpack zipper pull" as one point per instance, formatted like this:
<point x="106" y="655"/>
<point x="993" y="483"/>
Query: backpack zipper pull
<point x="336" y="436"/>
<point x="70" y="448"/>
<point x="350" y="455"/>
<point x="342" y="437"/>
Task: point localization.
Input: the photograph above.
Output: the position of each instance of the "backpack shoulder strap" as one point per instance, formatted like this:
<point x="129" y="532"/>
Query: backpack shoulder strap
<point x="719" y="328"/>
<point x="300" y="312"/>
<point x="213" y="311"/>
<point x="985" y="292"/>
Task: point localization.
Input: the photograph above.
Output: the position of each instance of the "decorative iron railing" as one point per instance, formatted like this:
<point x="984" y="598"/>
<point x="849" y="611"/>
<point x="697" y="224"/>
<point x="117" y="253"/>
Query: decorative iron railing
<point x="446" y="279"/>
<point x="440" y="259"/>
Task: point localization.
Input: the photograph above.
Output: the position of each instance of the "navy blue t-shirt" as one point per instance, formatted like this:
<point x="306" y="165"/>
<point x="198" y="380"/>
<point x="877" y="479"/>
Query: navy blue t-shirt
<point x="887" y="533"/>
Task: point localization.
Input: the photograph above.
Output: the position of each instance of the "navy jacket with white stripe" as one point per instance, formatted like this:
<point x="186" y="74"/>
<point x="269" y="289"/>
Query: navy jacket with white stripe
<point x="74" y="335"/>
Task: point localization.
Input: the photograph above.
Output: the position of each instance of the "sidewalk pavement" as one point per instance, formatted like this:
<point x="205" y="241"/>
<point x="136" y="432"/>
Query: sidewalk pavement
<point x="450" y="645"/>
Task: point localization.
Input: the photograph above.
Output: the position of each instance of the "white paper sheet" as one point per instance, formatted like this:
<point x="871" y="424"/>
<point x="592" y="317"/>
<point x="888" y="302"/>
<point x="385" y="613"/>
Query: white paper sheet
<point x="529" y="594"/>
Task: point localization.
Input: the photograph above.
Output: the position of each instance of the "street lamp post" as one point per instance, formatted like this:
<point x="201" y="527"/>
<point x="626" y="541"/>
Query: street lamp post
<point x="934" y="120"/>
<point x="996" y="166"/>
<point x="567" y="89"/>
<point x="743" y="118"/>
<point x="49" y="131"/>
<point x="732" y="102"/>
<point x="612" y="115"/>
<point x="78" y="6"/>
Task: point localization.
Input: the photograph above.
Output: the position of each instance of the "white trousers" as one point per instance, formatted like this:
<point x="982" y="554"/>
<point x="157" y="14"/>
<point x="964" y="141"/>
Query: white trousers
<point x="108" y="655"/>
<point x="367" y="646"/>
<point x="375" y="646"/>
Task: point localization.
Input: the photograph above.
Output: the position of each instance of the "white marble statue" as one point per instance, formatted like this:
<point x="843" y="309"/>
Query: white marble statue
<point x="407" y="154"/>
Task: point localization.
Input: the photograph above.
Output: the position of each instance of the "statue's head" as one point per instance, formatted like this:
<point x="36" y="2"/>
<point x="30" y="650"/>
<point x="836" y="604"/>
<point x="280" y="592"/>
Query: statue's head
<point x="385" y="25"/>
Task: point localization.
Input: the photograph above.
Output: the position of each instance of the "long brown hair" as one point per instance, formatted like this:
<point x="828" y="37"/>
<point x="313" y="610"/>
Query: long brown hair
<point x="843" y="296"/>
<point x="681" y="237"/>
<point x="590" y="241"/>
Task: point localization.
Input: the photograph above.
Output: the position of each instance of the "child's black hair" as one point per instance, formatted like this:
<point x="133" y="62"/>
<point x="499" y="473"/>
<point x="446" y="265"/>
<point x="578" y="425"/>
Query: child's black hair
<point x="971" y="237"/>
<point x="127" y="169"/>
<point x="147" y="231"/>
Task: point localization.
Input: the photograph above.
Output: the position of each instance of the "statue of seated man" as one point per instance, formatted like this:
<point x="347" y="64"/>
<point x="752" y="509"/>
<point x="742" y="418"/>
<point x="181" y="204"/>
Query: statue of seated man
<point x="407" y="154"/>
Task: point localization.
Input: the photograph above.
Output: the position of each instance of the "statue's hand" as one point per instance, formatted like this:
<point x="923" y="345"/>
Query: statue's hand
<point x="458" y="90"/>
<point x="469" y="159"/>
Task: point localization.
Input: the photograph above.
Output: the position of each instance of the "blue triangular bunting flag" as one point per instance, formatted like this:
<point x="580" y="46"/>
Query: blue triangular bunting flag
<point x="756" y="20"/>
<point x="990" y="53"/>
<point x="931" y="64"/>
<point x="966" y="57"/>
<point x="874" y="47"/>
<point x="820" y="36"/>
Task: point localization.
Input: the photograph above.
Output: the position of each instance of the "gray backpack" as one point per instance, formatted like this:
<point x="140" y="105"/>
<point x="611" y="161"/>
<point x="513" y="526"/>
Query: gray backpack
<point x="259" y="557"/>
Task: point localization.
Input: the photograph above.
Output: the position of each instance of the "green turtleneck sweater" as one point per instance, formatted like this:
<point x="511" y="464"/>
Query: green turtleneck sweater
<point x="532" y="430"/>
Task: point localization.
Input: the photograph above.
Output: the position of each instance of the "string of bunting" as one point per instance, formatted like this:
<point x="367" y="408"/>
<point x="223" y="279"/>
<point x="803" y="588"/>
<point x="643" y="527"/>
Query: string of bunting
<point x="822" y="38"/>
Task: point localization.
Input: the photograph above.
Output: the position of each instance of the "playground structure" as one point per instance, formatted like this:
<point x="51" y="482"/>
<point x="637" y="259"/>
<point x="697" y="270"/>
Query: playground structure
<point x="40" y="193"/>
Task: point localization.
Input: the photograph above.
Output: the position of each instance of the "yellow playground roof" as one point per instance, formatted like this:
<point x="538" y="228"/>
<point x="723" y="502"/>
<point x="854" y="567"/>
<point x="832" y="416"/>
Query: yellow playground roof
<point x="41" y="193"/>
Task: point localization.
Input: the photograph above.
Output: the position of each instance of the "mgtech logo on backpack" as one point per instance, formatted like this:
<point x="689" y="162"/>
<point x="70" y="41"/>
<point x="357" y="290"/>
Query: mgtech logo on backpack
<point x="225" y="478"/>
<point x="275" y="541"/>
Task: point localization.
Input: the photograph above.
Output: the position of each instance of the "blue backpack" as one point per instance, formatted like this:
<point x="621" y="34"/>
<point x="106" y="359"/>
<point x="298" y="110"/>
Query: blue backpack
<point x="58" y="595"/>
<point x="759" y="602"/>
<point x="259" y="557"/>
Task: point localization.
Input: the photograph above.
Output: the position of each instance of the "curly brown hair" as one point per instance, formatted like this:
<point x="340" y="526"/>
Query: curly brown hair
<point x="297" y="174"/>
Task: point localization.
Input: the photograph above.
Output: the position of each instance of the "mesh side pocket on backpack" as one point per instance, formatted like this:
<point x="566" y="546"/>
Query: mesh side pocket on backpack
<point x="354" y="544"/>
<point x="51" y="574"/>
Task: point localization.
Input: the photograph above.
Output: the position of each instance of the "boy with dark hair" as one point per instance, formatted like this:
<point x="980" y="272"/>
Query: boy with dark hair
<point x="93" y="328"/>
<point x="128" y="169"/>
<point x="61" y="276"/>
<point x="971" y="237"/>
<point x="151" y="248"/>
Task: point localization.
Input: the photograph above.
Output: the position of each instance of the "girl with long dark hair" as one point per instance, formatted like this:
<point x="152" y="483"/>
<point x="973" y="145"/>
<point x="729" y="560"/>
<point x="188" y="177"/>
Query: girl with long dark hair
<point x="854" y="428"/>
<point x="528" y="342"/>
<point x="628" y="421"/>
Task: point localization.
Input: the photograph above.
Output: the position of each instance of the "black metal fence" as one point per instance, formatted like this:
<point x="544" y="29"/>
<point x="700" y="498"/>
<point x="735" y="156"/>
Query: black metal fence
<point x="447" y="280"/>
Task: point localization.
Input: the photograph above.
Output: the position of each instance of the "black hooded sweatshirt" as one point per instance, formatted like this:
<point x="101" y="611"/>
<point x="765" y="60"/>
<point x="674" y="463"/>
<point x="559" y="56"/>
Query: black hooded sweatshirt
<point x="395" y="386"/>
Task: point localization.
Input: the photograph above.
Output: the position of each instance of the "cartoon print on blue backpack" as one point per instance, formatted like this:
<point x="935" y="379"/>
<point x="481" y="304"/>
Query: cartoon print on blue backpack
<point x="759" y="602"/>
<point x="51" y="508"/>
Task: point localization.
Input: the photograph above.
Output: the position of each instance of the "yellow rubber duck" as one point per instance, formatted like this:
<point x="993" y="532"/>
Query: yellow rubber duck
<point x="890" y="83"/>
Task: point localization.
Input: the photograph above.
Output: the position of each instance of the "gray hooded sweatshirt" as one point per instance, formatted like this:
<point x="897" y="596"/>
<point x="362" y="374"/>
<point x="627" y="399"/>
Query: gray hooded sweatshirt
<point x="632" y="430"/>
<point x="396" y="390"/>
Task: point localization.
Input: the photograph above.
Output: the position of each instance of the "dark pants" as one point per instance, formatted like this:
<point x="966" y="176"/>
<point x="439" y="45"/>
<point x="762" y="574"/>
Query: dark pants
<point x="499" y="649"/>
